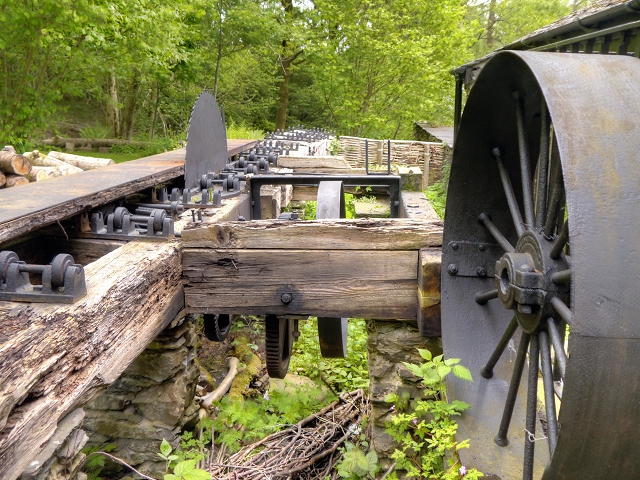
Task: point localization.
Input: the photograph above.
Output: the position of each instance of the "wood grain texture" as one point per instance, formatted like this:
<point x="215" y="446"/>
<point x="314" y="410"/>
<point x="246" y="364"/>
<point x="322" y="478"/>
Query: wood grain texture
<point x="296" y="162"/>
<point x="429" y="266"/>
<point x="331" y="283"/>
<point x="54" y="358"/>
<point x="358" y="234"/>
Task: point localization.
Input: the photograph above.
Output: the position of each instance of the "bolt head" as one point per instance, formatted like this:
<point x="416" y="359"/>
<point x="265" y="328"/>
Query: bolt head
<point x="454" y="246"/>
<point x="453" y="269"/>
<point x="286" y="298"/>
<point x="481" y="272"/>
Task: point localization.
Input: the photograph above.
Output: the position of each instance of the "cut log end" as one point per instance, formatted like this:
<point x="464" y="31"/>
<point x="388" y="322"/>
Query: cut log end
<point x="13" y="163"/>
<point x="15" y="180"/>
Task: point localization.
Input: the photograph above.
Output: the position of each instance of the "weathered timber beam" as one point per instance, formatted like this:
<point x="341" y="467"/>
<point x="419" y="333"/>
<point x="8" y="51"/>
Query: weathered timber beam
<point x="54" y="358"/>
<point x="330" y="283"/>
<point x="429" y="261"/>
<point x="359" y="234"/>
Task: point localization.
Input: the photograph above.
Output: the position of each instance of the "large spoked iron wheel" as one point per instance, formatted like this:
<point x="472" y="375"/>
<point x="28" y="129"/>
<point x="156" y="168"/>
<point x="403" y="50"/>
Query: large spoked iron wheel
<point x="541" y="254"/>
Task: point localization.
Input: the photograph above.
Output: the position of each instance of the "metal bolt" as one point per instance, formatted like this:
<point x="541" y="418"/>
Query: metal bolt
<point x="286" y="298"/>
<point x="481" y="272"/>
<point x="482" y="248"/>
<point x="453" y="269"/>
<point x="454" y="246"/>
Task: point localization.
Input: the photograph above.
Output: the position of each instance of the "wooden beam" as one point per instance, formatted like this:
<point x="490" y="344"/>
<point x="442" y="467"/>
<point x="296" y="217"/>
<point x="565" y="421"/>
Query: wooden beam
<point x="358" y="234"/>
<point x="54" y="358"/>
<point x="329" y="283"/>
<point x="429" y="264"/>
<point x="297" y="162"/>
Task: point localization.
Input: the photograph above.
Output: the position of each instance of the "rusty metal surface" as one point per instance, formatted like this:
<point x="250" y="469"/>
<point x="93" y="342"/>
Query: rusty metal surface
<point x="593" y="103"/>
<point x="28" y="207"/>
<point x="206" y="141"/>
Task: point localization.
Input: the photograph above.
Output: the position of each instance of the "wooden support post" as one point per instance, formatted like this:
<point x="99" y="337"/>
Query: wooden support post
<point x="55" y="358"/>
<point x="429" y="261"/>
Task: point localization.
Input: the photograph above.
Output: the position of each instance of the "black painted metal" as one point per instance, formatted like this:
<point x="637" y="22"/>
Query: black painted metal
<point x="593" y="107"/>
<point x="206" y="141"/>
<point x="392" y="182"/>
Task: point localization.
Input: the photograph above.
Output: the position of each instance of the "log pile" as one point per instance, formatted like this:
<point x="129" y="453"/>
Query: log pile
<point x="16" y="169"/>
<point x="427" y="155"/>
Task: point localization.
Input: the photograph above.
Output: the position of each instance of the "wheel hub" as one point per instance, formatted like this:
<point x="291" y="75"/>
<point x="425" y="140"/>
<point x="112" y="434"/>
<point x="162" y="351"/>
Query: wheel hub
<point x="523" y="280"/>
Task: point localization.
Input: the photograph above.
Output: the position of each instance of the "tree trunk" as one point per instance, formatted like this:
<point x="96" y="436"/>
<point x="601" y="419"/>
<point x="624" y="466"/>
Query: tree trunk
<point x="11" y="162"/>
<point x="128" y="115"/>
<point x="37" y="175"/>
<point x="156" y="103"/>
<point x="490" y="23"/>
<point x="49" y="171"/>
<point x="113" y="113"/>
<point x="283" y="98"/>
<point x="85" y="163"/>
<point x="15" y="180"/>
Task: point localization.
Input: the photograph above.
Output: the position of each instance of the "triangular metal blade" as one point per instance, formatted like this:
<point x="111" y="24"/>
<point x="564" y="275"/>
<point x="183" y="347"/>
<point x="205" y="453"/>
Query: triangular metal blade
<point x="206" y="141"/>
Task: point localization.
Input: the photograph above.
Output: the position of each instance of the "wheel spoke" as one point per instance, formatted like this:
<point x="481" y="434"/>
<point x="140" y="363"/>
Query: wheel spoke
<point x="546" y="133"/>
<point x="525" y="165"/>
<point x="562" y="277"/>
<point x="549" y="394"/>
<point x="501" y="437"/>
<point x="485" y="220"/>
<point x="532" y="404"/>
<point x="487" y="370"/>
<point x="483" y="297"/>
<point x="561" y="241"/>
<point x="562" y="309"/>
<point x="555" y="191"/>
<point x="508" y="191"/>
<point x="558" y="346"/>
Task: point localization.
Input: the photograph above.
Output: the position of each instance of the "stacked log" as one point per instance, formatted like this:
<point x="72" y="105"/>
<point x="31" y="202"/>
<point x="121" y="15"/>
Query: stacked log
<point x="16" y="169"/>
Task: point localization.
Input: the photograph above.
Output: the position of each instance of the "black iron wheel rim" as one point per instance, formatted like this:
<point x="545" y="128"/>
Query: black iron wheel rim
<point x="591" y="102"/>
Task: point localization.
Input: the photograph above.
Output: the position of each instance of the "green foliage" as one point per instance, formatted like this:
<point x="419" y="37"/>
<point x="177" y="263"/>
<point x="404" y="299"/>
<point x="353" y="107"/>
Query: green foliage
<point x="424" y="428"/>
<point x="179" y="468"/>
<point x="241" y="130"/>
<point x="437" y="193"/>
<point x="343" y="374"/>
<point x="94" y="465"/>
<point x="355" y="463"/>
<point x="240" y="422"/>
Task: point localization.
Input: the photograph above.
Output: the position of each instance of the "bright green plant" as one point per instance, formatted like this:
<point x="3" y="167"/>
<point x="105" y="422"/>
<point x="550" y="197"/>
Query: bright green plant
<point x="180" y="469"/>
<point x="437" y="193"/>
<point x="334" y="146"/>
<point x="355" y="463"/>
<point x="240" y="422"/>
<point x="424" y="428"/>
<point x="94" y="465"/>
<point x="343" y="374"/>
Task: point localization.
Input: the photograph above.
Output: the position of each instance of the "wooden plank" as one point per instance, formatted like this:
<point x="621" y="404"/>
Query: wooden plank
<point x="54" y="358"/>
<point x="429" y="265"/>
<point x="331" y="283"/>
<point x="296" y="162"/>
<point x="42" y="203"/>
<point x="358" y="234"/>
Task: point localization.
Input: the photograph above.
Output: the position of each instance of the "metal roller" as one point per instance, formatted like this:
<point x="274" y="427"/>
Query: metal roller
<point x="542" y="196"/>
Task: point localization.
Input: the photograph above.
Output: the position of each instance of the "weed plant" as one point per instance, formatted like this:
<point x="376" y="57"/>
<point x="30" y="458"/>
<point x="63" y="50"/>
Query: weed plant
<point x="437" y="193"/>
<point x="343" y="374"/>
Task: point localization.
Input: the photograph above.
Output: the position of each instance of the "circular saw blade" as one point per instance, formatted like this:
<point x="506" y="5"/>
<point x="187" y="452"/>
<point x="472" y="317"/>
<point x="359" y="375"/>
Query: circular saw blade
<point x="206" y="141"/>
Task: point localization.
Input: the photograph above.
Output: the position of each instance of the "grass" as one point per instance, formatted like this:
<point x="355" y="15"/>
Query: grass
<point x="437" y="193"/>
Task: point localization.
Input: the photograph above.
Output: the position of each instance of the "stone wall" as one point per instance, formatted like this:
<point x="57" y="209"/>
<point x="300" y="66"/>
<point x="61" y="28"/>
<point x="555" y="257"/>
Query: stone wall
<point x="152" y="400"/>
<point x="390" y="344"/>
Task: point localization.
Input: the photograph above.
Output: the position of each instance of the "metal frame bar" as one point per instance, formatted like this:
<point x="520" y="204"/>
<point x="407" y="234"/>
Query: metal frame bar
<point x="390" y="181"/>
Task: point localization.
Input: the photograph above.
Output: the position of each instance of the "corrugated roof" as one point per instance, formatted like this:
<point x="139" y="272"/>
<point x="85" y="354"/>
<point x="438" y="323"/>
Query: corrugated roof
<point x="587" y="11"/>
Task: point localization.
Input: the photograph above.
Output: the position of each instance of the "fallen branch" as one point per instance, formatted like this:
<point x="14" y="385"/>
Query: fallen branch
<point x="219" y="392"/>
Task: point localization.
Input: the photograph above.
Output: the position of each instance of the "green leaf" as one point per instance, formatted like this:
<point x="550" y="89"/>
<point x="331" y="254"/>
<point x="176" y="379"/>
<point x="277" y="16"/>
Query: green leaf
<point x="462" y="372"/>
<point x="185" y="467"/>
<point x="451" y="361"/>
<point x="443" y="371"/>
<point x="165" y="447"/>
<point x="197" y="474"/>
<point x="170" y="476"/>
<point x="426" y="354"/>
